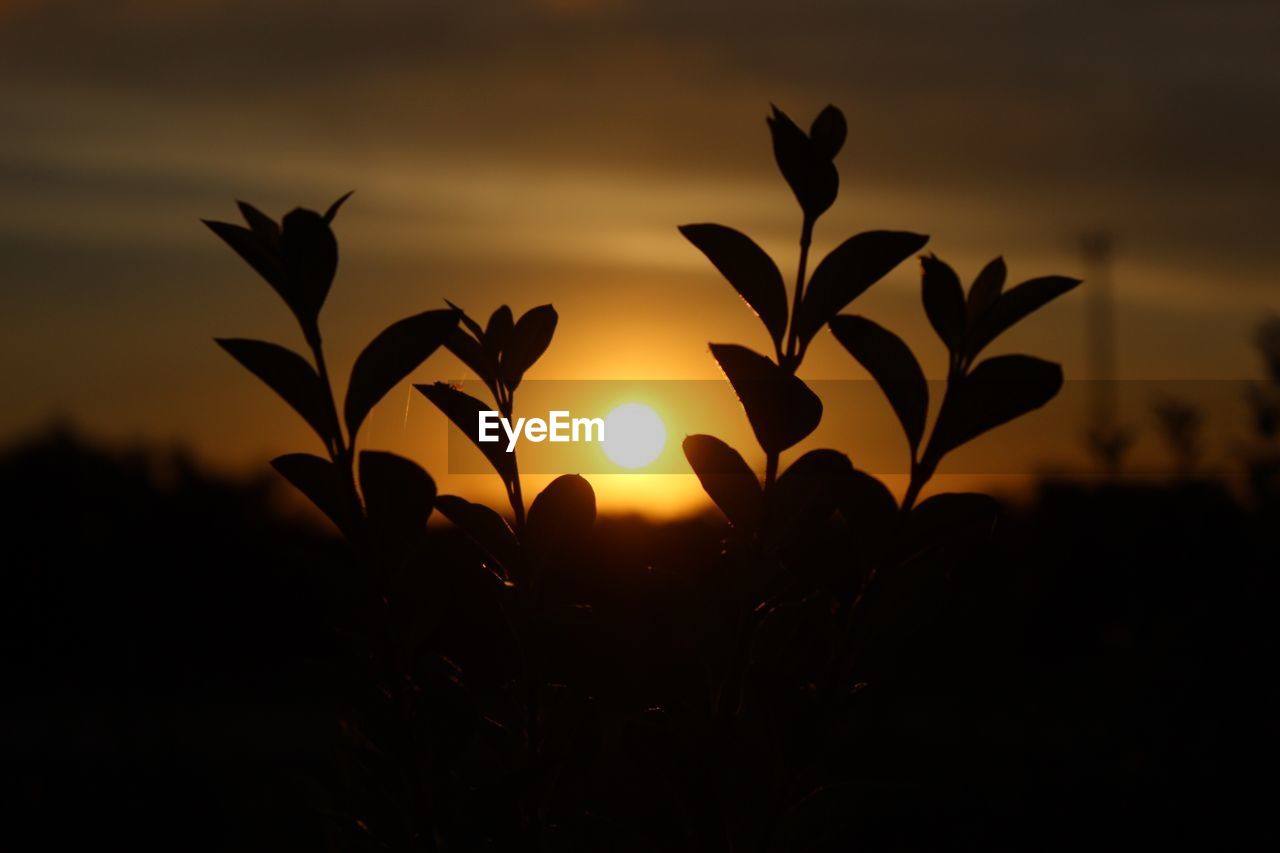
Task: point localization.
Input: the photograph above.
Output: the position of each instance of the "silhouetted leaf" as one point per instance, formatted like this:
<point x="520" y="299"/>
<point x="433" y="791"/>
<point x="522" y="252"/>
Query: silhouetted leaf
<point x="336" y="206"/>
<point x="809" y="490"/>
<point x="563" y="513"/>
<point x="985" y="290"/>
<point x="322" y="483"/>
<point x="529" y="340"/>
<point x="995" y="392"/>
<point x="289" y="375"/>
<point x="255" y="251"/>
<point x="471" y="325"/>
<point x="781" y="408"/>
<point x="726" y="478"/>
<point x="483" y="526"/>
<point x="953" y="517"/>
<point x="390" y="357"/>
<point x="1015" y="304"/>
<point x="748" y="268"/>
<point x="398" y="494"/>
<point x="808" y="170"/>
<point x="893" y="367"/>
<point x="870" y="510"/>
<point x="943" y="301"/>
<point x="471" y="353"/>
<point x="264" y="226"/>
<point x="867" y="498"/>
<point x="464" y="411"/>
<point x="310" y="256"/>
<point x="498" y="331"/>
<point x="828" y="131"/>
<point x="847" y="271"/>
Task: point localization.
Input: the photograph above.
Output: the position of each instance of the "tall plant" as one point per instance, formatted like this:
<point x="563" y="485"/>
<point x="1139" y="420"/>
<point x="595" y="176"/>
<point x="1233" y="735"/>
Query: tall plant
<point x="388" y="505"/>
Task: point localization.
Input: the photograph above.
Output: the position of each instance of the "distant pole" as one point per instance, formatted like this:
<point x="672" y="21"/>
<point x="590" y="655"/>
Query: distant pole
<point x="1107" y="440"/>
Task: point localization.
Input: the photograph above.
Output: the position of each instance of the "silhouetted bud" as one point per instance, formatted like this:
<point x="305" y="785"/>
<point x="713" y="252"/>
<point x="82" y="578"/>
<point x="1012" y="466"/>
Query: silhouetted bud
<point x="807" y="167"/>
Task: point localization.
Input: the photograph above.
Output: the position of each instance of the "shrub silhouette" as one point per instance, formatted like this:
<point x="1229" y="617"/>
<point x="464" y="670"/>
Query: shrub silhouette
<point x="1180" y="425"/>
<point x="383" y="512"/>
<point x="793" y="641"/>
<point x="298" y="257"/>
<point x="782" y="410"/>
<point x="1263" y="458"/>
<point x="501" y="353"/>
<point x="475" y="722"/>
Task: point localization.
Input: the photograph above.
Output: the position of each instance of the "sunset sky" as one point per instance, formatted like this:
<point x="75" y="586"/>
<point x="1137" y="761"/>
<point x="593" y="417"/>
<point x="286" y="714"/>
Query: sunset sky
<point x="546" y="150"/>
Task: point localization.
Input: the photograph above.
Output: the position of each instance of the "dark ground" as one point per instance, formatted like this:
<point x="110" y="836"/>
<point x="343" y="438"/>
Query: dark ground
<point x="1100" y="673"/>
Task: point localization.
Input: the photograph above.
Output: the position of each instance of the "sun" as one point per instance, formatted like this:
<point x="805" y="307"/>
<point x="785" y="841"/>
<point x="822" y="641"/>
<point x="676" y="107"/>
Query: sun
<point x="634" y="435"/>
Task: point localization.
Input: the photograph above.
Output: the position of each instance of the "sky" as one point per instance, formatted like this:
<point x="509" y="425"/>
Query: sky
<point x="545" y="151"/>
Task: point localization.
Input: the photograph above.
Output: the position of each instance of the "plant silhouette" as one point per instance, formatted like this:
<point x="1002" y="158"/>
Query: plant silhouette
<point x="785" y="608"/>
<point x="782" y="410"/>
<point x="298" y="257"/>
<point x="381" y="502"/>
<point x="1180" y="425"/>
<point x="500" y="353"/>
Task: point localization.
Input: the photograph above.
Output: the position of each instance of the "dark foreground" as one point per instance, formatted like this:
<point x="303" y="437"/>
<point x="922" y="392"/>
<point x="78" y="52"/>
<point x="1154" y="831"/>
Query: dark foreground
<point x="184" y="673"/>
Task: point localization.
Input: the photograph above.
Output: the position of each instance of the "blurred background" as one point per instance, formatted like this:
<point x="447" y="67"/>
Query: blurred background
<point x="531" y="151"/>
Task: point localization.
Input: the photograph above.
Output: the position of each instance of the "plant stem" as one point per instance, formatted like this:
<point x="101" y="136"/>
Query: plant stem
<point x="342" y="455"/>
<point x="918" y="479"/>
<point x="338" y="448"/>
<point x="517" y="500"/>
<point x="806" y="237"/>
<point x="507" y="405"/>
<point x="922" y="470"/>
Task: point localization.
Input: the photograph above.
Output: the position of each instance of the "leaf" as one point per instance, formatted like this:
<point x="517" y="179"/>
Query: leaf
<point x="943" y="301"/>
<point x="953" y="517"/>
<point x="261" y="224"/>
<point x="985" y="290"/>
<point x="469" y="351"/>
<point x="828" y="132"/>
<point x="472" y="325"/>
<point x="464" y="411"/>
<point x="1015" y="304"/>
<point x="809" y="172"/>
<point x="337" y="205"/>
<point x="389" y="358"/>
<point x="291" y="376"/>
<point x="726" y="478"/>
<point x="781" y="408"/>
<point x="309" y="253"/>
<point x="808" y="491"/>
<point x="748" y="268"/>
<point x="894" y="368"/>
<point x="995" y="392"/>
<point x="847" y="271"/>
<point x="869" y="509"/>
<point x="398" y="493"/>
<point x="321" y="482"/>
<point x="867" y="499"/>
<point x="529" y="340"/>
<point x="498" y="331"/>
<point x="482" y="526"/>
<point x="562" y="514"/>
<point x="256" y="252"/>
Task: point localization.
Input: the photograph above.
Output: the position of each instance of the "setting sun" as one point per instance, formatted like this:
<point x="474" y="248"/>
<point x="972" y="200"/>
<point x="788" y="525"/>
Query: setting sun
<point x="634" y="435"/>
